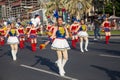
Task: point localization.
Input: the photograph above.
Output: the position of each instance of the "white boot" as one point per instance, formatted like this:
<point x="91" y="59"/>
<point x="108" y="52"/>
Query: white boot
<point x="59" y="64"/>
<point x="81" y="46"/>
<point x="86" y="45"/>
<point x="16" y="54"/>
<point x="63" y="64"/>
<point x="13" y="55"/>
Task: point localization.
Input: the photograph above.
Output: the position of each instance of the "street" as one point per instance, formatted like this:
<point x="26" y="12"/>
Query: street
<point x="101" y="62"/>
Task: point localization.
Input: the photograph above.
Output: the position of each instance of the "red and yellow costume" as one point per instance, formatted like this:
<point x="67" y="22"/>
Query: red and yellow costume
<point x="21" y="32"/>
<point x="49" y="33"/>
<point x="21" y="37"/>
<point x="48" y="27"/>
<point x="73" y="29"/>
<point x="107" y="26"/>
<point x="33" y="35"/>
<point x="2" y="33"/>
<point x="107" y="29"/>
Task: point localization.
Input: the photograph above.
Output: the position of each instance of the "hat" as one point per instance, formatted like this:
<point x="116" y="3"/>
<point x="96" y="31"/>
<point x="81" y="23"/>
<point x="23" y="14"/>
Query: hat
<point x="36" y="15"/>
<point x="8" y="22"/>
<point x="75" y="20"/>
<point x="19" y="23"/>
<point x="30" y="23"/>
<point x="78" y="20"/>
<point x="5" y="23"/>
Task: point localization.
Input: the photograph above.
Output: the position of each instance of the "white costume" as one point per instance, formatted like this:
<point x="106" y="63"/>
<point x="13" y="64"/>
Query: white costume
<point x="12" y="39"/>
<point x="83" y="34"/>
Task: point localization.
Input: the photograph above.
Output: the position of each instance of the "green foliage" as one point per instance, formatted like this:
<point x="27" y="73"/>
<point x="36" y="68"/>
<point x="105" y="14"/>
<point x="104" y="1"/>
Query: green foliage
<point x="109" y="7"/>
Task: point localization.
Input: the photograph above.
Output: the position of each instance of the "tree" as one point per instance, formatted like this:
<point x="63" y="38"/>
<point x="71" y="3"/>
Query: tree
<point x="107" y="6"/>
<point x="53" y="5"/>
<point x="77" y="7"/>
<point x="74" y="7"/>
<point x="113" y="6"/>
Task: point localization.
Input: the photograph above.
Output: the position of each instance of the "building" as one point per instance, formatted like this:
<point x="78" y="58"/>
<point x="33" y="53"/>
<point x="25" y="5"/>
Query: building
<point x="18" y="8"/>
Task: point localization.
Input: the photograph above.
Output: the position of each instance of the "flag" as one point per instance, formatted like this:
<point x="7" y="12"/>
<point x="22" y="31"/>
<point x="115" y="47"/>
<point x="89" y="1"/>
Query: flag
<point x="55" y="14"/>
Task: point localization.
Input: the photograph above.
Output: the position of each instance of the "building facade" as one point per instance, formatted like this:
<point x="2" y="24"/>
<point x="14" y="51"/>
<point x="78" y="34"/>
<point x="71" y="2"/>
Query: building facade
<point x="18" y="8"/>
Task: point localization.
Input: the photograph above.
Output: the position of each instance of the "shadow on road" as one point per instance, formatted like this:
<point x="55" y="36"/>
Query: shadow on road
<point x="47" y="62"/>
<point x="114" y="75"/>
<point x="113" y="42"/>
<point x="117" y="41"/>
<point x="28" y="47"/>
<point x="8" y="53"/>
<point x="108" y="51"/>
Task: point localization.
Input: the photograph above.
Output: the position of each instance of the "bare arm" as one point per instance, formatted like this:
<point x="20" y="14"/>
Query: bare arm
<point x="29" y="31"/>
<point x="67" y="34"/>
<point x="103" y="24"/>
<point x="17" y="32"/>
<point x="7" y="33"/>
<point x="71" y="27"/>
<point x="86" y="27"/>
<point x="78" y="28"/>
<point x="54" y="33"/>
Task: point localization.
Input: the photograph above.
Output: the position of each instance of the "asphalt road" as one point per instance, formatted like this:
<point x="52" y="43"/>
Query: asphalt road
<point x="101" y="62"/>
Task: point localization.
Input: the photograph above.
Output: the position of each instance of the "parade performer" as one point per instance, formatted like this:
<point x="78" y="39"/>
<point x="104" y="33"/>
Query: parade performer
<point x="2" y="34"/>
<point x="13" y="40"/>
<point x="83" y="35"/>
<point x="27" y="30"/>
<point x="61" y="45"/>
<point x="33" y="37"/>
<point x="73" y="29"/>
<point x="21" y="36"/>
<point x="36" y="20"/>
<point x="50" y="29"/>
<point x="5" y="26"/>
<point x="107" y="28"/>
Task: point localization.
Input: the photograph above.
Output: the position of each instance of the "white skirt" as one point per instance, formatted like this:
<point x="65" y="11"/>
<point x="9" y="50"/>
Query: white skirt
<point x="12" y="40"/>
<point x="82" y="34"/>
<point x="60" y="44"/>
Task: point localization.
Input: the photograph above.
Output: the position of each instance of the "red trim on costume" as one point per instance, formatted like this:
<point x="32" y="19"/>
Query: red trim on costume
<point x="28" y="29"/>
<point x="21" y="44"/>
<point x="49" y="27"/>
<point x="33" y="32"/>
<point x="2" y="32"/>
<point x="107" y="39"/>
<point x="33" y="46"/>
<point x="73" y="44"/>
<point x="107" y="24"/>
<point x="52" y="29"/>
<point x="21" y="31"/>
<point x="73" y="27"/>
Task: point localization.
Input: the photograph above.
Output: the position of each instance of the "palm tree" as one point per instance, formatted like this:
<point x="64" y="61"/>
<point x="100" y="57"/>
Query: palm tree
<point x="74" y="7"/>
<point x="78" y="7"/>
<point x="42" y="3"/>
<point x="54" y="5"/>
